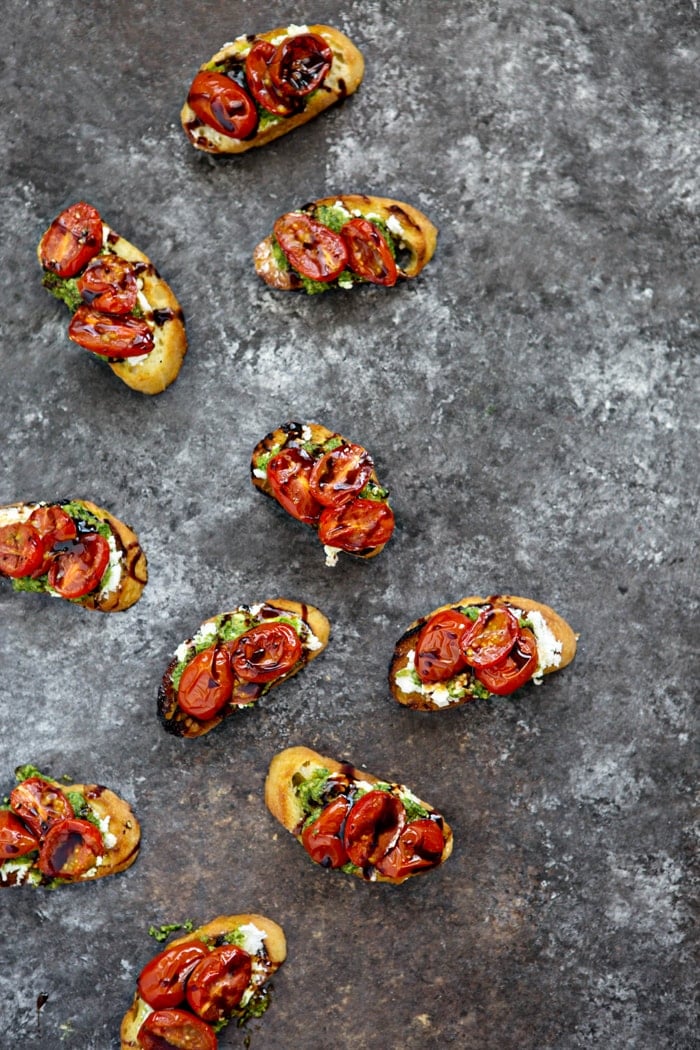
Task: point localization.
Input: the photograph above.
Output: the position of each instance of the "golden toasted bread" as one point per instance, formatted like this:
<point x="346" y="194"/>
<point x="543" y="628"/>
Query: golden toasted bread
<point x="555" y="648"/>
<point x="300" y="787"/>
<point x="223" y="634"/>
<point x="125" y="575"/>
<point x="259" y="936"/>
<point x="343" y="77"/>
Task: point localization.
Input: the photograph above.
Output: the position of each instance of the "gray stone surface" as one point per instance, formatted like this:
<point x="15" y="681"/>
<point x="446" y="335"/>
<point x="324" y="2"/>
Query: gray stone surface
<point x="531" y="400"/>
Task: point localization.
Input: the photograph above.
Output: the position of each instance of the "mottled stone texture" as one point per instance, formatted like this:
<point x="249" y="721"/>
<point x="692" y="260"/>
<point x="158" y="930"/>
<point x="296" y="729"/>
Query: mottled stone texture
<point x="531" y="400"/>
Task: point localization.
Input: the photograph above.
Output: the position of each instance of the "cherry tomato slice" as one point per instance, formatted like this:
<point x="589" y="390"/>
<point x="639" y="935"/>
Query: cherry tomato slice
<point x="109" y="283"/>
<point x="289" y="477"/>
<point x="206" y="683"/>
<point x="175" y="1028"/>
<point x="40" y="804"/>
<point x="310" y="247"/>
<point x="323" y="840"/>
<point x="216" y="985"/>
<point x="357" y="525"/>
<point x="110" y="334"/>
<point x="491" y="637"/>
<point x="373" y="826"/>
<point x="71" y="240"/>
<point x="300" y="63"/>
<point x="78" y="569"/>
<point x="53" y="524"/>
<point x="162" y="981"/>
<point x="369" y="255"/>
<point x="223" y="105"/>
<point x="70" y="848"/>
<point x="266" y="652"/>
<point x="263" y="90"/>
<point x="419" y="846"/>
<point x="340" y="473"/>
<point x="517" y="668"/>
<point x="15" y="838"/>
<point x="21" y="549"/>
<point x="439" y="653"/>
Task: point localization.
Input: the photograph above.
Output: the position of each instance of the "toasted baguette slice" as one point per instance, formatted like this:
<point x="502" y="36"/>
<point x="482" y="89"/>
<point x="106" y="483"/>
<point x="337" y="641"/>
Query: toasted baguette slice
<point x="261" y="937"/>
<point x="556" y="647"/>
<point x="292" y="768"/>
<point x="153" y="372"/>
<point x="343" y="78"/>
<point x="413" y="235"/>
<point x="124" y="578"/>
<point x="316" y="440"/>
<point x="309" y="622"/>
<point x="121" y="835"/>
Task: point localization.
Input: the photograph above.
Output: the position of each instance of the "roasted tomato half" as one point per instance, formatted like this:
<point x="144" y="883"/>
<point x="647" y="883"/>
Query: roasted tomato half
<point x="162" y="981"/>
<point x="21" y="549"/>
<point x="70" y="848"/>
<point x="373" y="826"/>
<point x="323" y="839"/>
<point x="110" y="335"/>
<point x="178" y="1029"/>
<point x="71" y="240"/>
<point x="77" y="569"/>
<point x="369" y="254"/>
<point x="40" y="804"/>
<point x="206" y="683"/>
<point x="259" y="79"/>
<point x="357" y="525"/>
<point x="265" y="652"/>
<point x="53" y="524"/>
<point x="15" y="838"/>
<point x="490" y="637"/>
<point x="439" y="654"/>
<point x="223" y="105"/>
<point x="216" y="985"/>
<point x="339" y="474"/>
<point x="289" y="477"/>
<point x="300" y="64"/>
<point x="310" y="247"/>
<point x="419" y="846"/>
<point x="109" y="283"/>
<point x="515" y="669"/>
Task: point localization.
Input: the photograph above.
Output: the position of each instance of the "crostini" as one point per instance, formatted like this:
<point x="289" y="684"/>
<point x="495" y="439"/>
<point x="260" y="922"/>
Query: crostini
<point x="349" y="819"/>
<point x="327" y="482"/>
<point x="53" y="832"/>
<point x="263" y="85"/>
<point x="340" y="242"/>
<point x="234" y="659"/>
<point x="201" y="982"/>
<point x="123" y="311"/>
<point x="475" y="648"/>
<point x="72" y="549"/>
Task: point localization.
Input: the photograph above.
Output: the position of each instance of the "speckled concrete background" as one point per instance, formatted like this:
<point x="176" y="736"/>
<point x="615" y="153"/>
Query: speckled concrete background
<point x="531" y="400"/>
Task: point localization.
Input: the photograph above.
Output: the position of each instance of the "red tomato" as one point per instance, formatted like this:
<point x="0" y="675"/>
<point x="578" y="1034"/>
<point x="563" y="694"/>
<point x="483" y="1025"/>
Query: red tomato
<point x="266" y="652"/>
<point x="70" y="848"/>
<point x="264" y="91"/>
<point x="15" y="838"/>
<point x="71" y="240"/>
<point x="357" y="525"/>
<point x="78" y="569"/>
<point x="177" y="1029"/>
<point x="217" y="983"/>
<point x="439" y="653"/>
<point x="109" y="283"/>
<point x="323" y="840"/>
<point x="419" y="846"/>
<point x="21" y="549"/>
<point x="161" y="983"/>
<point x="223" y="105"/>
<point x="490" y="637"/>
<point x="289" y="477"/>
<point x="515" y="670"/>
<point x="300" y="63"/>
<point x="340" y="473"/>
<point x="53" y="524"/>
<point x="369" y="255"/>
<point x="372" y="827"/>
<point x="310" y="247"/>
<point x="206" y="683"/>
<point x="109" y="334"/>
<point x="40" y="804"/>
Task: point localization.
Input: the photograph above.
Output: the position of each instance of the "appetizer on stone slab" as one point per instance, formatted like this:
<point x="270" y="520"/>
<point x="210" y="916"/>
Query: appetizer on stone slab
<point x="478" y="647"/>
